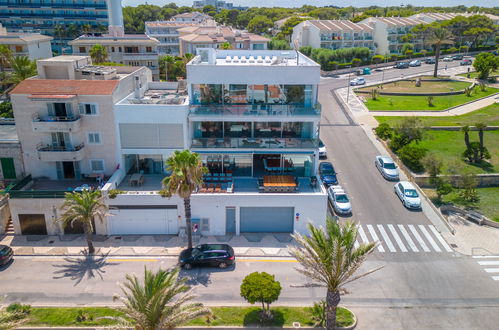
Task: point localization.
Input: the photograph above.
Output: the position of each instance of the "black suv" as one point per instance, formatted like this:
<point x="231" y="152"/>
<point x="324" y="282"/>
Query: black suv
<point x="215" y="255"/>
<point x="6" y="254"/>
<point x="402" y="65"/>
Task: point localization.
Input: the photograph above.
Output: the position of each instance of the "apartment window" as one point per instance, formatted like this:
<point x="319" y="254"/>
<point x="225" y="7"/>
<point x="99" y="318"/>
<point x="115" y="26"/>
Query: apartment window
<point x="97" y="165"/>
<point x="82" y="49"/>
<point x="19" y="49"/>
<point x="93" y="138"/>
<point x="87" y="109"/>
<point x="119" y="49"/>
<point x="112" y="49"/>
<point x="149" y="49"/>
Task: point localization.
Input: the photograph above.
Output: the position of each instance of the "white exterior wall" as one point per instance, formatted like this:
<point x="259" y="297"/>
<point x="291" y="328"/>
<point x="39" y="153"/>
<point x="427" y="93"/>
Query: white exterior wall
<point x="307" y="35"/>
<point x="39" y="50"/>
<point x="380" y="38"/>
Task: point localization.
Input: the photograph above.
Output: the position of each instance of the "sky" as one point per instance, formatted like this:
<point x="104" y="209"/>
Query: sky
<point x="341" y="3"/>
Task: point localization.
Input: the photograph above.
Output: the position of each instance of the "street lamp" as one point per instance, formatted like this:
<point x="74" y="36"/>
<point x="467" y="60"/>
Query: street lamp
<point x="348" y="89"/>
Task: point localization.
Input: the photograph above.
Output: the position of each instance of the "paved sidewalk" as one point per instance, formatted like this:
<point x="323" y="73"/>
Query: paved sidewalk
<point x="254" y="245"/>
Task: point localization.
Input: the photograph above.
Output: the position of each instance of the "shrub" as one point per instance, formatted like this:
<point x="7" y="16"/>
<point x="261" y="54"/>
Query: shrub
<point x="374" y="94"/>
<point x="384" y="131"/>
<point x="17" y="308"/>
<point x="333" y="65"/>
<point x="411" y="156"/>
<point x="319" y="313"/>
<point x="356" y="61"/>
<point x="468" y="91"/>
<point x="442" y="188"/>
<point x="114" y="192"/>
<point x="430" y="99"/>
<point x="398" y="141"/>
<point x="263" y="288"/>
<point x="483" y="87"/>
<point x="81" y="316"/>
<point x="475" y="153"/>
<point x="432" y="165"/>
<point x="468" y="184"/>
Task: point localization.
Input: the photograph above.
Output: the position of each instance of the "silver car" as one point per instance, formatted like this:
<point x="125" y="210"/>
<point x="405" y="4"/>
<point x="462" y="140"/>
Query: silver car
<point x="408" y="195"/>
<point x="339" y="200"/>
<point x="387" y="167"/>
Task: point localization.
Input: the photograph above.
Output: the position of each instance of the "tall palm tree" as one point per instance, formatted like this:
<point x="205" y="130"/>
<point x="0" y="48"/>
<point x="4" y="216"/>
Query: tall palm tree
<point x="466" y="130"/>
<point x="329" y="258"/>
<point x="84" y="207"/>
<point x="186" y="177"/>
<point x="438" y="37"/>
<point x="86" y="28"/>
<point x="22" y="68"/>
<point x="160" y="301"/>
<point x="59" y="32"/>
<point x="5" y="57"/>
<point x="481" y="127"/>
<point x="165" y="64"/>
<point x="98" y="53"/>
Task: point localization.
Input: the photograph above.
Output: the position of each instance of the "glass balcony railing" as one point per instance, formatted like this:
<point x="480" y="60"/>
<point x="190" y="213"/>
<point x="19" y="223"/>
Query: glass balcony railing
<point x="255" y="110"/>
<point x="255" y="143"/>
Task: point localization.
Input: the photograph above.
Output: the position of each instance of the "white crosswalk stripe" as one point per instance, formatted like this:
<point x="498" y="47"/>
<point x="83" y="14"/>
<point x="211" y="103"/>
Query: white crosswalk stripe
<point x="488" y="261"/>
<point x="397" y="238"/>
<point x="418" y="238"/>
<point x="356" y="244"/>
<point x="492" y="270"/>
<point x="363" y="235"/>
<point x="429" y="238"/>
<point x="495" y="278"/>
<point x="386" y="238"/>
<point x="408" y="238"/>
<point x="375" y="238"/>
<point x="440" y="238"/>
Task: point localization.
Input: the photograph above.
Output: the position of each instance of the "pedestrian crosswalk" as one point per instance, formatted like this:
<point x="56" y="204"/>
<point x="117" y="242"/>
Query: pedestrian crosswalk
<point x="490" y="264"/>
<point x="403" y="238"/>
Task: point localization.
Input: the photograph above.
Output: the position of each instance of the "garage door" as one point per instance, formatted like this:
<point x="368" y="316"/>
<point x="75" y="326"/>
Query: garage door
<point x="32" y="224"/>
<point x="143" y="222"/>
<point x="267" y="219"/>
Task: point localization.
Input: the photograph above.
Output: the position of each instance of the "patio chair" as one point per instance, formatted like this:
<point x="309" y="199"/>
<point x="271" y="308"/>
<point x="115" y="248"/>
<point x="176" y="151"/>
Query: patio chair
<point x="230" y="188"/>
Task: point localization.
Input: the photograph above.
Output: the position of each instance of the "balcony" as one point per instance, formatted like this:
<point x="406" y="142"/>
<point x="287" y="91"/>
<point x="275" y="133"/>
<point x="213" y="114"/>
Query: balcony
<point x="140" y="56"/>
<point x="259" y="110"/>
<point x="254" y="143"/>
<point x="50" y="153"/>
<point x="57" y="124"/>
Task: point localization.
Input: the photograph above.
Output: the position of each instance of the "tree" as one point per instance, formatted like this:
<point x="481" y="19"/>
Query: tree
<point x="262" y="288"/>
<point x="442" y="188"/>
<point x="160" y="301"/>
<point x="406" y="48"/>
<point x="22" y="68"/>
<point x="84" y="207"/>
<point x="437" y="38"/>
<point x="186" y="177"/>
<point x="433" y="165"/>
<point x="5" y="57"/>
<point x="377" y="59"/>
<point x="466" y="130"/>
<point x="481" y="127"/>
<point x="59" y="32"/>
<point x="485" y="63"/>
<point x="278" y="44"/>
<point x="226" y="45"/>
<point x="98" y="53"/>
<point x="411" y="129"/>
<point x="468" y="184"/>
<point x="384" y="131"/>
<point x="165" y="64"/>
<point x="259" y="24"/>
<point x="329" y="258"/>
<point x="411" y="156"/>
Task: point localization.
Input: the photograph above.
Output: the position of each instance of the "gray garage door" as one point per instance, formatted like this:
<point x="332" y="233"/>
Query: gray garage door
<point x="267" y="219"/>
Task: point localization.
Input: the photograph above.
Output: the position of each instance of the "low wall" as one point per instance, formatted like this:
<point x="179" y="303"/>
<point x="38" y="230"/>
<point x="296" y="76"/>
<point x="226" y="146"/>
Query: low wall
<point x="483" y="180"/>
<point x="114" y="181"/>
<point x="458" y="128"/>
<point x="470" y="215"/>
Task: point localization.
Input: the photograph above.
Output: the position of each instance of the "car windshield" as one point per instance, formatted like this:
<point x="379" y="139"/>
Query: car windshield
<point x="195" y="252"/>
<point x="342" y="198"/>
<point x="411" y="193"/>
<point x="328" y="171"/>
<point x="389" y="166"/>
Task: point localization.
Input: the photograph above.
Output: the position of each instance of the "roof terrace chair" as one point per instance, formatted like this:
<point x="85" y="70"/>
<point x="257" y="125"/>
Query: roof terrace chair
<point x="228" y="59"/>
<point x="251" y="59"/>
<point x="267" y="59"/>
<point x="259" y="59"/>
<point x="235" y="59"/>
<point x="243" y="59"/>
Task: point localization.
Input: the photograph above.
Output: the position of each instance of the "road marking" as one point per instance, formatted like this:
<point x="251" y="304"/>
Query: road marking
<point x="397" y="238"/>
<point x="363" y="235"/>
<point x="418" y="238"/>
<point x="488" y="263"/>
<point x="429" y="238"/>
<point x="130" y="260"/>
<point x="495" y="278"/>
<point x="485" y="257"/>
<point x="440" y="238"/>
<point x="375" y="238"/>
<point x="387" y="239"/>
<point x="408" y="238"/>
<point x="266" y="260"/>
<point x="492" y="270"/>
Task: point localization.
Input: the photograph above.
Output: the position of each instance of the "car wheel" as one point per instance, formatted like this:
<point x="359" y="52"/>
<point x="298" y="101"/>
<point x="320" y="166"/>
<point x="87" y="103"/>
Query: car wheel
<point x="188" y="266"/>
<point x="222" y="265"/>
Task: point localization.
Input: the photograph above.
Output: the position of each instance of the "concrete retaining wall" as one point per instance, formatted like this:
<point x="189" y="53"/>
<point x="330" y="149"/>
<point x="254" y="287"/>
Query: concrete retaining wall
<point x="483" y="180"/>
<point x="475" y="217"/>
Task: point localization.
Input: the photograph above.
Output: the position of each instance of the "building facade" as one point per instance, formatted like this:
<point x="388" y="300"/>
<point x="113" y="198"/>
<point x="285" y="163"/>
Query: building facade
<point x="11" y="161"/>
<point x="33" y="45"/>
<point x="43" y="17"/>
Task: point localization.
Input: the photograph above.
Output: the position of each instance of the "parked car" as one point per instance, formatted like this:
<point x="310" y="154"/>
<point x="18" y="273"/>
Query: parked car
<point x="448" y="59"/>
<point x="457" y="57"/>
<point x="415" y="63"/>
<point x="429" y="60"/>
<point x="466" y="61"/>
<point x="339" y="200"/>
<point x="6" y="254"/>
<point x="357" y="81"/>
<point x="327" y="173"/>
<point x="402" y="65"/>
<point x="408" y="195"/>
<point x="322" y="150"/>
<point x="387" y="167"/>
<point x="215" y="255"/>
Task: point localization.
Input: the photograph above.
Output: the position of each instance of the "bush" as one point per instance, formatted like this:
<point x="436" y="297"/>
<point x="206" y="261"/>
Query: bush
<point x="262" y="288"/>
<point x="411" y="156"/>
<point x="429" y="100"/>
<point x="468" y="184"/>
<point x="319" y="313"/>
<point x="81" y="316"/>
<point x="384" y="131"/>
<point x="18" y="311"/>
<point x="432" y="165"/>
<point x="442" y="188"/>
<point x="114" y="192"/>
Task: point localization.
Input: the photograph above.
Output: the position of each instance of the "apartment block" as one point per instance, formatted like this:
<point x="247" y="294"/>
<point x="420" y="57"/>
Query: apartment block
<point x="253" y="116"/>
<point x="333" y="34"/>
<point x="33" y="45"/>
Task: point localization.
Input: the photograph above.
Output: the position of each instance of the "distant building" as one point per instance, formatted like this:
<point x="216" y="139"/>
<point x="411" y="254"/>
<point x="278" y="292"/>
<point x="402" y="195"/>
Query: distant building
<point x="279" y="23"/>
<point x="33" y="45"/>
<point x="215" y="3"/>
<point x="166" y="32"/>
<point x="192" y="38"/>
<point x="438" y="17"/>
<point x="43" y="16"/>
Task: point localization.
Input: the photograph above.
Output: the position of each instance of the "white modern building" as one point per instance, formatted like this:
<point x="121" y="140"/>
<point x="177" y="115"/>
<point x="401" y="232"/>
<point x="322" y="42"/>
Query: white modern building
<point x="33" y="45"/>
<point x="332" y="34"/>
<point x="253" y="116"/>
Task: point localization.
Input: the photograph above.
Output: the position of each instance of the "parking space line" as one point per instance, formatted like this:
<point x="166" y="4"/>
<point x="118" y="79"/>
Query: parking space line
<point x="440" y="238"/>
<point x="388" y="242"/>
<point x="418" y="238"/>
<point x="408" y="238"/>
<point x="375" y="238"/>
<point x="429" y="238"/>
<point x="397" y="238"/>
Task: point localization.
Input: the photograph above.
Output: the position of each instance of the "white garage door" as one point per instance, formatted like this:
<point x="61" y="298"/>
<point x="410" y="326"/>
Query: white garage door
<point x="143" y="222"/>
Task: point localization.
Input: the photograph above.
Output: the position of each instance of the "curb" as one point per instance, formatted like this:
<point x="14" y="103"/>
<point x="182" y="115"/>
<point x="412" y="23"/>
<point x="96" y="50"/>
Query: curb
<point x="141" y="255"/>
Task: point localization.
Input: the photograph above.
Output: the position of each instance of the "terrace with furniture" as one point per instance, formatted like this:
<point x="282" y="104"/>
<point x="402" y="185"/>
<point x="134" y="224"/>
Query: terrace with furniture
<point x="45" y="188"/>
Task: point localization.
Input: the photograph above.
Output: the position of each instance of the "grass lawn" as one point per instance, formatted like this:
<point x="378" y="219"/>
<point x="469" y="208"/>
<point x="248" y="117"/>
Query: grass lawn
<point x="488" y="115"/>
<point x="487" y="205"/>
<point x="234" y="316"/>
<point x="404" y="86"/>
<point x="474" y="74"/>
<point x="450" y="146"/>
<point x="419" y="103"/>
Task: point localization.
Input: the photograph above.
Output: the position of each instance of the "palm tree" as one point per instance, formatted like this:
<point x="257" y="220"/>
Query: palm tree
<point x="481" y="127"/>
<point x="5" y="57"/>
<point x="22" y="68"/>
<point x="59" y="32"/>
<point x="165" y="64"/>
<point x="466" y="130"/>
<point x="186" y="177"/>
<point x="84" y="207"/>
<point x="98" y="53"/>
<point x="438" y="37"/>
<point x="160" y="301"/>
<point x="86" y="28"/>
<point x="328" y="257"/>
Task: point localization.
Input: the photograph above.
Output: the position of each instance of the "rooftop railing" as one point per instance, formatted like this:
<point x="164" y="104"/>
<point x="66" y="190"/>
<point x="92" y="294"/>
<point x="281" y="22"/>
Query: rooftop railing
<point x="254" y="110"/>
<point x="255" y="143"/>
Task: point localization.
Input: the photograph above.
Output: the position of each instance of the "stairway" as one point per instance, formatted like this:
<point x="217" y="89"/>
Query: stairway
<point x="9" y="228"/>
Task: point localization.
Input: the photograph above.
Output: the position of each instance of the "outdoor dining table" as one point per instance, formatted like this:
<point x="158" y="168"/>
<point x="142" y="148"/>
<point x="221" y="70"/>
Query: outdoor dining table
<point x="136" y="179"/>
<point x="279" y="181"/>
